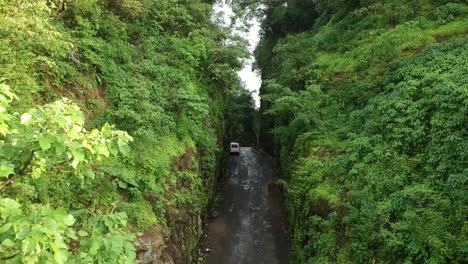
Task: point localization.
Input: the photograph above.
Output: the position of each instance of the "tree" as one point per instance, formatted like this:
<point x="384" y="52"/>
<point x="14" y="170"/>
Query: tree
<point x="48" y="140"/>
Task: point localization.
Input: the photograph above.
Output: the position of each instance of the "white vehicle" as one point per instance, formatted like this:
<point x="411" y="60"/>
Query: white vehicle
<point x="234" y="148"/>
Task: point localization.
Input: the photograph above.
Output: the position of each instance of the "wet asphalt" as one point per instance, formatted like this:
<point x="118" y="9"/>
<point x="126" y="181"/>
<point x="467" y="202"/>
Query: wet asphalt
<point x="249" y="226"/>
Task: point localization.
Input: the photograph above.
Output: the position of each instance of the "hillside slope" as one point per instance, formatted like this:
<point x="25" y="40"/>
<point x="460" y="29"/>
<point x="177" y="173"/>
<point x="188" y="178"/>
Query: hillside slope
<point x="364" y="103"/>
<point x="159" y="70"/>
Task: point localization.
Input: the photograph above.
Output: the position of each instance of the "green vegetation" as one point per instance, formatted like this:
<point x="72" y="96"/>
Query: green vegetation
<point x="365" y="105"/>
<point x="243" y="119"/>
<point x="75" y="189"/>
<point x="46" y="142"/>
<point x="364" y="102"/>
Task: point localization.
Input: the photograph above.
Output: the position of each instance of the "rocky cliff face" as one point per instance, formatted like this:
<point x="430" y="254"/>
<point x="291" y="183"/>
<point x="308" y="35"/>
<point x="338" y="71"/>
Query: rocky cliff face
<point x="176" y="242"/>
<point x="176" y="245"/>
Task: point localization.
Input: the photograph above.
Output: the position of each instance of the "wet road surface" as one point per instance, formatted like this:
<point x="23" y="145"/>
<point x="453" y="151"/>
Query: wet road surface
<point x="250" y="226"/>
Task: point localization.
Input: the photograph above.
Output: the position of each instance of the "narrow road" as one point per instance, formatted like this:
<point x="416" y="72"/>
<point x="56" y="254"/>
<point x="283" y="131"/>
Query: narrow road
<point x="250" y="227"/>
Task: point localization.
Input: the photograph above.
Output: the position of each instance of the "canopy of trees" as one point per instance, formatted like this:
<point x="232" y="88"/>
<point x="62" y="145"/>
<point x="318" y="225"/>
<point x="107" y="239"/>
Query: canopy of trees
<point x="365" y="104"/>
<point x="75" y="189"/>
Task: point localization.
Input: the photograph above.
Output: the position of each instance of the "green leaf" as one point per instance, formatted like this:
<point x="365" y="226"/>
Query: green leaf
<point x="6" y="169"/>
<point x="8" y="243"/>
<point x="72" y="234"/>
<point x="46" y="142"/>
<point x="4" y="129"/>
<point x="113" y="150"/>
<point x="60" y="256"/>
<point x="47" y="210"/>
<point x="36" y="173"/>
<point x="50" y="224"/>
<point x="102" y="149"/>
<point x="60" y="212"/>
<point x="75" y="163"/>
<point x="95" y="245"/>
<point x="28" y="245"/>
<point x="59" y="149"/>
<point x="69" y="220"/>
<point x="9" y="203"/>
<point x="5" y="227"/>
<point x="89" y="173"/>
<point x="123" y="185"/>
<point x="123" y="147"/>
<point x="24" y="233"/>
<point x="78" y="154"/>
<point x="108" y="222"/>
<point x="106" y="130"/>
<point x="82" y="233"/>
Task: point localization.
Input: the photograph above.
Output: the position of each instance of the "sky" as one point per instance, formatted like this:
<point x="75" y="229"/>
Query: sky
<point x="250" y="78"/>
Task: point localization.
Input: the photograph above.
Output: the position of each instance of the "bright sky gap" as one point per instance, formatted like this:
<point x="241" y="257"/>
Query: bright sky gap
<point x="248" y="75"/>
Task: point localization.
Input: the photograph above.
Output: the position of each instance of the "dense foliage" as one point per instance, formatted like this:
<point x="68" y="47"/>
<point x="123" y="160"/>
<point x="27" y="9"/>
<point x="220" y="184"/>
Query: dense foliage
<point x="366" y="104"/>
<point x="159" y="70"/>
<point x="50" y="141"/>
<point x="243" y="121"/>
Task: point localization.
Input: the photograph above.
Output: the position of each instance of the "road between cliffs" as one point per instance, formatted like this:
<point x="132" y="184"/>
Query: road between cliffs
<point x="250" y="224"/>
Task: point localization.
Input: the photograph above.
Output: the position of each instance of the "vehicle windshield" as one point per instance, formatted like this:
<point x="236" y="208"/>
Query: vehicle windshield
<point x="234" y="145"/>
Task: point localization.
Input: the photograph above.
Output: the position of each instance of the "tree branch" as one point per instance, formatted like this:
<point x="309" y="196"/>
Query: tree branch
<point x="20" y="172"/>
<point x="207" y="68"/>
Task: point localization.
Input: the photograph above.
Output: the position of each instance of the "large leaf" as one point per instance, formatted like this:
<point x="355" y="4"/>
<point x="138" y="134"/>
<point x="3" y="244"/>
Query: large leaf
<point x="6" y="169"/>
<point x="46" y="141"/>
